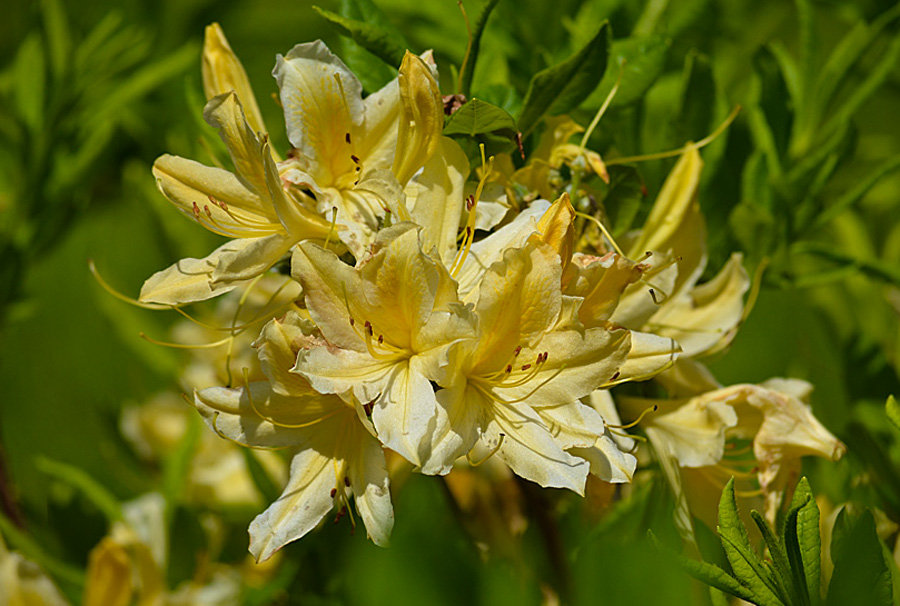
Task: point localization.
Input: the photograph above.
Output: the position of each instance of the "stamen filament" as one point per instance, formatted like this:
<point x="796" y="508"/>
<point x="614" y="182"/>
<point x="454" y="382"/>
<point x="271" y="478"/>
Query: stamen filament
<point x="186" y="346"/>
<point x="677" y="152"/>
<point x="603" y="230"/>
<point x="637" y="421"/>
<point x="488" y="455"/>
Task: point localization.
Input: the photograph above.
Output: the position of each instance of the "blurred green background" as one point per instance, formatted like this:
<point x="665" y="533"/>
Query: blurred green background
<point x="92" y="92"/>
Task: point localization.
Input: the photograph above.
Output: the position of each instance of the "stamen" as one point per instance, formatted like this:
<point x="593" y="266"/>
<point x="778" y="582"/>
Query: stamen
<point x="637" y="421"/>
<point x="465" y="61"/>
<point x="489" y="455"/>
<point x="677" y="152"/>
<point x="347" y="138"/>
<point x="333" y="492"/>
<point x="239" y="443"/>
<point x="105" y="285"/>
<point x="185" y="346"/>
<point x="333" y="221"/>
<point x="602" y="110"/>
<point x="603" y="230"/>
<point x="487" y="166"/>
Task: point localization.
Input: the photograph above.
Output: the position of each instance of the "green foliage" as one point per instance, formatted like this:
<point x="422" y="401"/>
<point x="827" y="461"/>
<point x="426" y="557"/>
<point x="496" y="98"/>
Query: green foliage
<point x="562" y="87"/>
<point x="790" y="572"/>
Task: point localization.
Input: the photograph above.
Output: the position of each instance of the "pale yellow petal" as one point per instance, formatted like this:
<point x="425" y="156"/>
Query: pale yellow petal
<point x="421" y="118"/>
<point x="223" y="72"/>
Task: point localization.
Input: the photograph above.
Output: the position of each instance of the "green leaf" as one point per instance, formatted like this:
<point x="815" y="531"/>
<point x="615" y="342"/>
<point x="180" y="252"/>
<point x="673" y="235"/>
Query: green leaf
<point x="59" y="39"/>
<point x="374" y="38"/>
<point x="863" y="91"/>
<point x="641" y="60"/>
<point x="564" y="86"/>
<point x="624" y="196"/>
<point x="861" y="575"/>
<point x="747" y="567"/>
<point x="804" y="543"/>
<point x="177" y="466"/>
<point x="30" y="549"/>
<point x="472" y="58"/>
<point x="29" y="82"/>
<point x="478" y="117"/>
<point x="707" y="573"/>
<point x="783" y="578"/>
<point x="775" y="109"/>
<point x="846" y="55"/>
<point x="856" y="194"/>
<point x="79" y="479"/>
<point x="482" y="123"/>
<point x="892" y="410"/>
<point x="880" y="270"/>
<point x="261" y="478"/>
<point x="371" y="70"/>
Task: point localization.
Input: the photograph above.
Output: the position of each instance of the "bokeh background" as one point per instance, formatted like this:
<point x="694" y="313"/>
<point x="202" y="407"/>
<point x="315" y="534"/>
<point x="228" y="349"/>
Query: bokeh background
<point x="91" y="92"/>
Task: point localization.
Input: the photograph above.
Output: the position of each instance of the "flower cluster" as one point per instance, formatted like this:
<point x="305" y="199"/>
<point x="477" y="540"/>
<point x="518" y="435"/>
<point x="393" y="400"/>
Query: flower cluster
<point x="446" y="312"/>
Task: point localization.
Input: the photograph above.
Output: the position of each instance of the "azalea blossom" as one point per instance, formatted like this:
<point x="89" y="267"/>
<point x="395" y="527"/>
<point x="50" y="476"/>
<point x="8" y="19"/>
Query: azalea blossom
<point x="336" y="456"/>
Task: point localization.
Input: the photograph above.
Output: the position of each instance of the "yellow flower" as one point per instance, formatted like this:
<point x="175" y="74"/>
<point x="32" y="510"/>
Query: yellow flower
<point x="337" y="455"/>
<point x="23" y="583"/>
<point x="756" y="433"/>
<point x="389" y="324"/>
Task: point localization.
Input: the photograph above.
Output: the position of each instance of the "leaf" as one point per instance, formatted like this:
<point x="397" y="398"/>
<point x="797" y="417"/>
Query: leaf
<point x="641" y="60"/>
<point x="59" y="39"/>
<point x="30" y="549"/>
<point x="372" y="71"/>
<point x="77" y="478"/>
<point x="774" y="105"/>
<point x="846" y="55"/>
<point x="856" y="194"/>
<point x="779" y="561"/>
<point x="177" y="465"/>
<point x="744" y="562"/>
<point x="374" y="38"/>
<point x="261" y="478"/>
<point x="803" y="541"/>
<point x="710" y="574"/>
<point x="564" y="86"/>
<point x="482" y="123"/>
<point x="861" y="92"/>
<point x="624" y="197"/>
<point x="880" y="270"/>
<point x="478" y="117"/>
<point x="472" y="58"/>
<point x="29" y="82"/>
<point x="892" y="410"/>
<point x="861" y="575"/>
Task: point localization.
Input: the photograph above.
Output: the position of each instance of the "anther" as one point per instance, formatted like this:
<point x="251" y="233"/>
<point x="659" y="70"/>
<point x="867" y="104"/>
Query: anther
<point x="333" y="492"/>
<point x="347" y="481"/>
<point x="208" y="212"/>
<point x="518" y="351"/>
<point x="470" y="202"/>
<point x="367" y="408"/>
<point x="526" y="366"/>
<point x="380" y="339"/>
<point x="355" y="159"/>
<point x="368" y="327"/>
<point x="196" y="211"/>
<point x="615" y="376"/>
<point x="352" y="321"/>
<point x="347" y="138"/>
<point x="509" y="368"/>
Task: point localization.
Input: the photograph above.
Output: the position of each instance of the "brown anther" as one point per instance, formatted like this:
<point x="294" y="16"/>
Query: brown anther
<point x="333" y="492"/>
<point x="468" y="230"/>
<point x="208" y="212"/>
<point x="518" y="351"/>
<point x="352" y="321"/>
<point x="347" y="138"/>
<point x="368" y="327"/>
<point x="367" y="408"/>
<point x="470" y="202"/>
<point x="526" y="366"/>
<point x="196" y="211"/>
<point x="380" y="339"/>
<point x="355" y="159"/>
<point x="509" y="368"/>
<point x="347" y="481"/>
<point x="615" y="376"/>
